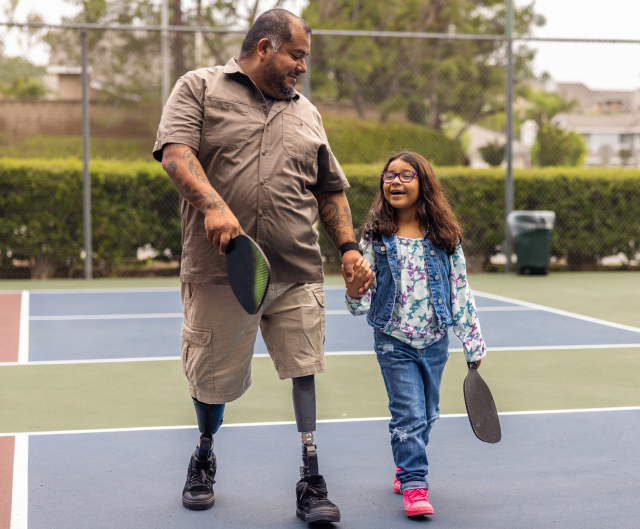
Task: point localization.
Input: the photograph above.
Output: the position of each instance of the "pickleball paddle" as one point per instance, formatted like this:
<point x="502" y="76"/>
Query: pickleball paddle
<point x="248" y="271"/>
<point x="481" y="409"/>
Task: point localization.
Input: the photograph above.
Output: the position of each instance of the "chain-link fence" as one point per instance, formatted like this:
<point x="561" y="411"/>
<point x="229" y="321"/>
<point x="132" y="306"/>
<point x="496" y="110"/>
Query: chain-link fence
<point x="575" y="151"/>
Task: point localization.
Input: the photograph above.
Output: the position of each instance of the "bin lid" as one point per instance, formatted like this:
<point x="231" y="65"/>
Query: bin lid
<point x="520" y="222"/>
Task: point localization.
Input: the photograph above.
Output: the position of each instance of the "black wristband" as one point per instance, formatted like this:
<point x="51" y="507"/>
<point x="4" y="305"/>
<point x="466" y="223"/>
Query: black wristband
<point x="348" y="246"/>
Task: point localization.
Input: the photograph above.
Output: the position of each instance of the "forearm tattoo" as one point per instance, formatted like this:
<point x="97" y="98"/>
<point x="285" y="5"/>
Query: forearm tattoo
<point x="337" y="221"/>
<point x="201" y="199"/>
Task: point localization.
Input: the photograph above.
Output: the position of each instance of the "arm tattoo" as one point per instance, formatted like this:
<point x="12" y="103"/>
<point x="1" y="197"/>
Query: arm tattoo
<point x="194" y="166"/>
<point x="337" y="223"/>
<point x="201" y="199"/>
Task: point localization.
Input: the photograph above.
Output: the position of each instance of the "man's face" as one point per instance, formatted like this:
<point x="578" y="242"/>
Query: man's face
<point x="281" y="69"/>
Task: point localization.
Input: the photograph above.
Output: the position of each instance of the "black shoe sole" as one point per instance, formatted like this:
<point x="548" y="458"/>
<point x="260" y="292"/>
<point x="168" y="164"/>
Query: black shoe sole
<point x="318" y="516"/>
<point x="198" y="505"/>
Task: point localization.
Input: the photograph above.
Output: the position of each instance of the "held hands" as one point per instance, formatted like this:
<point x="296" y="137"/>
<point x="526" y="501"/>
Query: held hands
<point x="357" y="274"/>
<point x="221" y="226"/>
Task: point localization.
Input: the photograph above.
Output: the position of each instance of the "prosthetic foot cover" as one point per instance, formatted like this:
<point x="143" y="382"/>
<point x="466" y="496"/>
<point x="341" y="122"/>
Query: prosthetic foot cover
<point x="312" y="504"/>
<point x="304" y="403"/>
<point x="198" y="494"/>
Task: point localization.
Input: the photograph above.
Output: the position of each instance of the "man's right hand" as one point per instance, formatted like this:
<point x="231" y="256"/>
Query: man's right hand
<point x="221" y="226"/>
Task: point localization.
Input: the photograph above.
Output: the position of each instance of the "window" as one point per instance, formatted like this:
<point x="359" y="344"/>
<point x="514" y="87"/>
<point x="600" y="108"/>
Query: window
<point x="626" y="140"/>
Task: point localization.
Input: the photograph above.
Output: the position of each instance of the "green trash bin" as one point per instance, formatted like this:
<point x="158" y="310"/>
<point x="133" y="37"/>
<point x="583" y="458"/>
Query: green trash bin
<point x="532" y="231"/>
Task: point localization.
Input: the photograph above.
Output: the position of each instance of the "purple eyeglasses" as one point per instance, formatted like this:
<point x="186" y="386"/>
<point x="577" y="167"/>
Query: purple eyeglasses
<point x="404" y="176"/>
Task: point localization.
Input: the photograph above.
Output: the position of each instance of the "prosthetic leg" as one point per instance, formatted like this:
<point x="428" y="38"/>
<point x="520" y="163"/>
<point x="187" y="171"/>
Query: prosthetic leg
<point x="312" y="502"/>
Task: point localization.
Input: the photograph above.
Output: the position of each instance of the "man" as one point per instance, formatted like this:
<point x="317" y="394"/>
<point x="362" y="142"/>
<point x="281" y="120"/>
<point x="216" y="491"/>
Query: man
<point x="248" y="154"/>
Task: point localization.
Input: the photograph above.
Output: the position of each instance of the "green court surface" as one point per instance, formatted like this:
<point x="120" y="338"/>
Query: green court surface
<point x="137" y="394"/>
<point x="154" y="393"/>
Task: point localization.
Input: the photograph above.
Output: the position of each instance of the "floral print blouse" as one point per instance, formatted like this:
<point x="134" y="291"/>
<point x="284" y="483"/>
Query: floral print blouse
<point x="414" y="319"/>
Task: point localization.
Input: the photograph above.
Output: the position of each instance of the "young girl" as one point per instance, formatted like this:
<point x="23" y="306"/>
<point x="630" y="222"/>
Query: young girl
<point x="411" y="242"/>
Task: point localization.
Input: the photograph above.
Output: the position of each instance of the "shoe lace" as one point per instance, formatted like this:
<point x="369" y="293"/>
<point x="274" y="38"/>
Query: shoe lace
<point x="199" y="479"/>
<point x="418" y="495"/>
<point x="316" y="490"/>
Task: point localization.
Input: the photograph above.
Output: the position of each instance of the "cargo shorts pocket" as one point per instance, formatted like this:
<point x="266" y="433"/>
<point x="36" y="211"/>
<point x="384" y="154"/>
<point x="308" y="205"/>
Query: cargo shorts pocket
<point x="196" y="355"/>
<point x="320" y="298"/>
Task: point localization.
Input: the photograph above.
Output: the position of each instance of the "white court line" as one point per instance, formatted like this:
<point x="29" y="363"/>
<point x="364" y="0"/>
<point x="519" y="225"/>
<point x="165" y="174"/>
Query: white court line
<point x="20" y="488"/>
<point x="327" y="353"/>
<point x="558" y="311"/>
<point x="107" y="316"/>
<point x="104" y="290"/>
<point x="332" y="312"/>
<point x="23" y="339"/>
<point x="323" y="421"/>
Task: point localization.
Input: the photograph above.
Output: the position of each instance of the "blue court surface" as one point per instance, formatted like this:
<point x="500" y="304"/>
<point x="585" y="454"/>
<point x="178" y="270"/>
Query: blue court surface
<point x="564" y="470"/>
<point x="77" y="326"/>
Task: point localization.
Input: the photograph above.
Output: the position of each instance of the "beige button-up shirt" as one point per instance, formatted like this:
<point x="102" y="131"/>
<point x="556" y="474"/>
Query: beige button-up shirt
<point x="265" y="165"/>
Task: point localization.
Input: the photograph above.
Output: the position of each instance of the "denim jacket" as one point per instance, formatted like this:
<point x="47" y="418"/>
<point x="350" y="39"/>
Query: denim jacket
<point x="379" y="316"/>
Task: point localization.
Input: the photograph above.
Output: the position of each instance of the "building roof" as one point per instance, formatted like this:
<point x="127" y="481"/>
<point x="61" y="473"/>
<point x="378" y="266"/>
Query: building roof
<point x="613" y="123"/>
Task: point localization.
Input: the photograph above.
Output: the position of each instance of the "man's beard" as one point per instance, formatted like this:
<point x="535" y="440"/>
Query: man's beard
<point x="276" y="80"/>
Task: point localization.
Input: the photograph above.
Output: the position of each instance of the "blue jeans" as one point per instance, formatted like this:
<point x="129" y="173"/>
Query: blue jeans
<point x="412" y="378"/>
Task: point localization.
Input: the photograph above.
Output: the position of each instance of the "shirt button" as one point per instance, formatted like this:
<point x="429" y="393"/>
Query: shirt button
<point x="226" y="105"/>
<point x="439" y="302"/>
<point x="432" y="252"/>
<point x="437" y="277"/>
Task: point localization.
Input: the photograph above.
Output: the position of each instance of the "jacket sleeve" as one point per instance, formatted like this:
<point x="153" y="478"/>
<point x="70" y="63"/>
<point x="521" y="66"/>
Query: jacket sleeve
<point x="466" y="325"/>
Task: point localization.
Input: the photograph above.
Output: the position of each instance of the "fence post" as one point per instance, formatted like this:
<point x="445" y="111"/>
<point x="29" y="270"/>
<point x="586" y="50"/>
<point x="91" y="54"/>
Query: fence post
<point x="165" y="51"/>
<point x="306" y="79"/>
<point x="508" y="183"/>
<point x="86" y="173"/>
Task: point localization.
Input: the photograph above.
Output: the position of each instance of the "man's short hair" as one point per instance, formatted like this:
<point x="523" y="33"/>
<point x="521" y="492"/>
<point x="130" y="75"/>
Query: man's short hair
<point x="274" y="25"/>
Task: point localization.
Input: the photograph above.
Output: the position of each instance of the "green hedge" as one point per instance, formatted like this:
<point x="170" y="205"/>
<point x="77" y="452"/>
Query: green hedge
<point x="353" y="141"/>
<point x="360" y="141"/>
<point x="597" y="210"/>
<point x="134" y="203"/>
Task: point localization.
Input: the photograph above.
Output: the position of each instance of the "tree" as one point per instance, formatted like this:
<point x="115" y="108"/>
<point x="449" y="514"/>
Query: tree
<point x="464" y="78"/>
<point x="545" y="105"/>
<point x="493" y="153"/>
<point x="21" y="78"/>
<point x="128" y="62"/>
<point x="554" y="146"/>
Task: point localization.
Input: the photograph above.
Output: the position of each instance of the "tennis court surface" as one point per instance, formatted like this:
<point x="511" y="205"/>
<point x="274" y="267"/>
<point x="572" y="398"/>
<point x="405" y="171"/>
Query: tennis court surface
<point x="96" y="426"/>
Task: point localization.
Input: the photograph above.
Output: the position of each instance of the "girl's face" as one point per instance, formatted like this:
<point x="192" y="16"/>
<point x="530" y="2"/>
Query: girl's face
<point x="399" y="194"/>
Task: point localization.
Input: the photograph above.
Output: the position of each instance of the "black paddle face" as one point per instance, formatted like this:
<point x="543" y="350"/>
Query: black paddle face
<point x="248" y="271"/>
<point x="481" y="409"/>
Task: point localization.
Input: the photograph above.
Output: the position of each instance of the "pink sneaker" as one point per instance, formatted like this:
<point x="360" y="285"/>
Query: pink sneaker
<point x="416" y="502"/>
<point x="396" y="483"/>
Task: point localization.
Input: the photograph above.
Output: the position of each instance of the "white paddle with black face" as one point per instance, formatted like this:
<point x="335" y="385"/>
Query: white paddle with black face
<point x="248" y="271"/>
<point x="481" y="408"/>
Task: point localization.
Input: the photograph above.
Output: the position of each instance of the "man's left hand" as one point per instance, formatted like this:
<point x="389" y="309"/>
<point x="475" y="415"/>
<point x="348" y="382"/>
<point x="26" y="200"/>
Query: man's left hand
<point x="349" y="259"/>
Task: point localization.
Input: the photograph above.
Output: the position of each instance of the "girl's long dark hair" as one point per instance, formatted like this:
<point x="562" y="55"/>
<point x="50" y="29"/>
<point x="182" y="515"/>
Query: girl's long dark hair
<point x="434" y="210"/>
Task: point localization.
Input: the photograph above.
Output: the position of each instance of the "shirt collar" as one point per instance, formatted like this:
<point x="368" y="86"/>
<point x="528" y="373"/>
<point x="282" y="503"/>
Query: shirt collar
<point x="232" y="67"/>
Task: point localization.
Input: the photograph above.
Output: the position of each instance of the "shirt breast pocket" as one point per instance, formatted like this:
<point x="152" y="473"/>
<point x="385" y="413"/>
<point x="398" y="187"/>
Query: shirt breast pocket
<point x="225" y="122"/>
<point x="298" y="140"/>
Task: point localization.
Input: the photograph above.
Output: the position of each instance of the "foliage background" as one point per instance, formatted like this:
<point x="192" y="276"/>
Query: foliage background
<point x="134" y="204"/>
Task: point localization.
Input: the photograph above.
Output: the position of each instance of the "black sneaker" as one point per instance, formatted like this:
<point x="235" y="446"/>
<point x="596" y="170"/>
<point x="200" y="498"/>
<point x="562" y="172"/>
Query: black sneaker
<point x="312" y="503"/>
<point x="197" y="494"/>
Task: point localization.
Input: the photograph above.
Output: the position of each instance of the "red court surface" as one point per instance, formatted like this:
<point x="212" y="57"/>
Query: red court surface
<point x="6" y="480"/>
<point x="9" y="326"/>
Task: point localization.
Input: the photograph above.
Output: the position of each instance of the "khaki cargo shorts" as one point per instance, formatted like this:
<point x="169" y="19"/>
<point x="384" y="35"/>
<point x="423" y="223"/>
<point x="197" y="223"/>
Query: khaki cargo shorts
<point x="218" y="337"/>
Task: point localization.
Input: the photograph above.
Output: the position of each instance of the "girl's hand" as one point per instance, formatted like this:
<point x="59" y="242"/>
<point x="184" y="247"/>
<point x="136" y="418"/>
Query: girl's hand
<point x="361" y="280"/>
